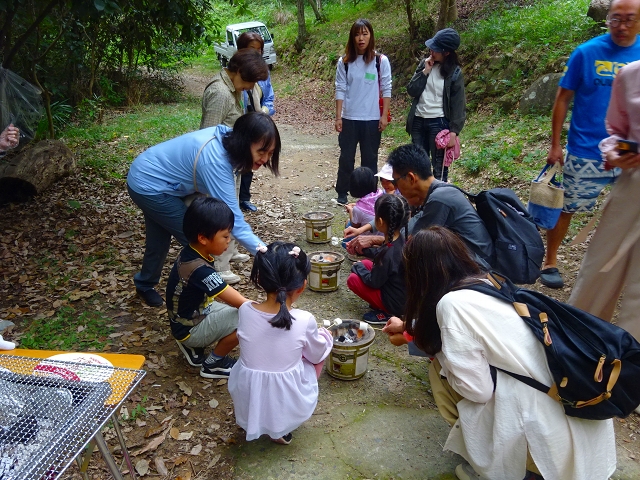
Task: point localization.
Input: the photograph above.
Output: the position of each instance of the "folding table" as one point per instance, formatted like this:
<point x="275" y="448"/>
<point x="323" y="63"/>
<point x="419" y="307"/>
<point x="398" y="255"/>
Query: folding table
<point x="54" y="414"/>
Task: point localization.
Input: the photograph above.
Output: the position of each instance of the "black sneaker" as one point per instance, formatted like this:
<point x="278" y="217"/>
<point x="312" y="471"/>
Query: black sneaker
<point x="218" y="369"/>
<point x="195" y="356"/>
<point x="342" y="199"/>
<point x="376" y="317"/>
<point x="283" y="440"/>
<point x="150" y="297"/>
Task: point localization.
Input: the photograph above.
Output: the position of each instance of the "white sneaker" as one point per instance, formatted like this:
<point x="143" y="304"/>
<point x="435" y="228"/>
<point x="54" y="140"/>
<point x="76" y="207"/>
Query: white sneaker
<point x="240" y="257"/>
<point x="464" y="471"/>
<point x="229" y="277"/>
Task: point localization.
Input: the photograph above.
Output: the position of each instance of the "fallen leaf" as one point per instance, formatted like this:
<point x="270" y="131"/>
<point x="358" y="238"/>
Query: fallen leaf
<point x="196" y="450"/>
<point x="185" y="412"/>
<point x="182" y="385"/>
<point x="155" y="443"/>
<point x="77" y="295"/>
<point x="160" y="466"/>
<point x="184" y="475"/>
<point x="213" y="461"/>
<point x="222" y="381"/>
<point x="185" y="436"/>
<point x="175" y="433"/>
<point x="180" y="460"/>
<point x="140" y="422"/>
<point x="213" y="403"/>
<point x="151" y="431"/>
<point x="142" y="467"/>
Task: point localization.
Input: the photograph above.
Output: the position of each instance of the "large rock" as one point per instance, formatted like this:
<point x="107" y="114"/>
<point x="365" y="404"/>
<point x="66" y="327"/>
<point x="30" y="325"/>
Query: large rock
<point x="540" y="96"/>
<point x="598" y="10"/>
<point x="33" y="169"/>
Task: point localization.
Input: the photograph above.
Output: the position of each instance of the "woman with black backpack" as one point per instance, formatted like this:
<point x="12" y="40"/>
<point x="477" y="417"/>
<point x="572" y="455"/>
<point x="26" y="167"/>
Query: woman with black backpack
<point x="505" y="429"/>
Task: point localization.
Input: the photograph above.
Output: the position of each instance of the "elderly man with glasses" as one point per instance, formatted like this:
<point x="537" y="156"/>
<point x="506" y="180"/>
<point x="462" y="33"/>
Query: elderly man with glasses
<point x="436" y="203"/>
<point x="587" y="80"/>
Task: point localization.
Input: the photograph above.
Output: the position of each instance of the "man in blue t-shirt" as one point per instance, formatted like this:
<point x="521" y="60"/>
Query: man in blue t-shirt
<point x="587" y="80"/>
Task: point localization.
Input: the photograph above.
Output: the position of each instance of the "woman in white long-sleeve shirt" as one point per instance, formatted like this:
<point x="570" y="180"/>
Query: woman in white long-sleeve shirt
<point x="506" y="430"/>
<point x="362" y="78"/>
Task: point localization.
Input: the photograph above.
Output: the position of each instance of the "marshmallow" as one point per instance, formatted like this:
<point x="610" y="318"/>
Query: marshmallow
<point x="326" y="323"/>
<point x="364" y="326"/>
<point x="337" y="321"/>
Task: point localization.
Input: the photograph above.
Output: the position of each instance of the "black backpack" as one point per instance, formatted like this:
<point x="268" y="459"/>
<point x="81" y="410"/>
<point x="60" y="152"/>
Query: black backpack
<point x="517" y="245"/>
<point x="518" y="248"/>
<point x="595" y="365"/>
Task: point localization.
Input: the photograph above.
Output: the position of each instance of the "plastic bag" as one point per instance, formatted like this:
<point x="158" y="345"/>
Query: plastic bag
<point x="20" y="104"/>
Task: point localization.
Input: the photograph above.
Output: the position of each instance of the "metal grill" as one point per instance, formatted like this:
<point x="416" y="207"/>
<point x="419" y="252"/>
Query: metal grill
<point x="46" y="418"/>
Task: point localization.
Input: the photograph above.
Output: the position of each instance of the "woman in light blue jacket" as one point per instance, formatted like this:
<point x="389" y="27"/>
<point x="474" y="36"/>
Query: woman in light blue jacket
<point x="204" y="161"/>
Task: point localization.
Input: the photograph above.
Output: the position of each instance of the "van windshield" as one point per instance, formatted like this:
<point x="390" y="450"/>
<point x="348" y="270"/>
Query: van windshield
<point x="262" y="30"/>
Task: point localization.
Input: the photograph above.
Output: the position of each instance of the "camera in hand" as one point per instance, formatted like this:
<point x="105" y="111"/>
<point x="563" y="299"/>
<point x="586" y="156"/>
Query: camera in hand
<point x="627" y="146"/>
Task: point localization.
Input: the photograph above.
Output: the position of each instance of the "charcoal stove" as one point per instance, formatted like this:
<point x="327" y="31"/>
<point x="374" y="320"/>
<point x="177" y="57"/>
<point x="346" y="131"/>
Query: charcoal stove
<point x="46" y="419"/>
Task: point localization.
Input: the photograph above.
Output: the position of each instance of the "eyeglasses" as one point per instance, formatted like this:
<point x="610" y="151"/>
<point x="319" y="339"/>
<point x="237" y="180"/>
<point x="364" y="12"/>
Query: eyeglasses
<point x="395" y="180"/>
<point x="615" y="22"/>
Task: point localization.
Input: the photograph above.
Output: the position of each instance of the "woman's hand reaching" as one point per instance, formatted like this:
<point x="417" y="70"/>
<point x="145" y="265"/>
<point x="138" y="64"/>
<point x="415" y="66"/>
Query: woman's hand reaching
<point x="394" y="325"/>
<point x="394" y="328"/>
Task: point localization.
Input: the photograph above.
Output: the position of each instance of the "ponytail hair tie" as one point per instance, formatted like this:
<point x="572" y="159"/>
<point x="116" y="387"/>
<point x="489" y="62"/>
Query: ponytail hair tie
<point x="261" y="248"/>
<point x="295" y="251"/>
<point x="281" y="289"/>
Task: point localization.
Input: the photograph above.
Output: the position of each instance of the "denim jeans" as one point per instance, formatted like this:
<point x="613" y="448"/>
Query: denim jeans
<point x="354" y="132"/>
<point x="163" y="216"/>
<point x="245" y="187"/>
<point x="423" y="133"/>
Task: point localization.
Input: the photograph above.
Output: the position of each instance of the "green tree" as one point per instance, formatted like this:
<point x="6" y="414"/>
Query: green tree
<point x="77" y="49"/>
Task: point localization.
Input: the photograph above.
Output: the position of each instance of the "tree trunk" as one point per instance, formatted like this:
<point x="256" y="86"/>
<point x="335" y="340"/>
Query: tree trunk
<point x="32" y="170"/>
<point x="302" y="27"/>
<point x="448" y="13"/>
<point x="316" y="11"/>
<point x="412" y="26"/>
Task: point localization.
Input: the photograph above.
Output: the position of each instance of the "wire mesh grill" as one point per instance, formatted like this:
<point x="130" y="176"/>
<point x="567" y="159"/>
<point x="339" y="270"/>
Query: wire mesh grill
<point x="51" y="409"/>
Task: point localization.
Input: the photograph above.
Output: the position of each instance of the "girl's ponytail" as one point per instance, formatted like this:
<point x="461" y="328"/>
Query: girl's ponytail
<point x="394" y="211"/>
<point x="282" y="319"/>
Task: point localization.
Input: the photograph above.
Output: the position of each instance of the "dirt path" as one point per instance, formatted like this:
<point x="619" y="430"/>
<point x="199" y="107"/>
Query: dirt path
<point x="381" y="426"/>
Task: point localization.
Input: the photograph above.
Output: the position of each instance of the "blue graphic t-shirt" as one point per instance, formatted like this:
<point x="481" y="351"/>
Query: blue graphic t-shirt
<point x="589" y="73"/>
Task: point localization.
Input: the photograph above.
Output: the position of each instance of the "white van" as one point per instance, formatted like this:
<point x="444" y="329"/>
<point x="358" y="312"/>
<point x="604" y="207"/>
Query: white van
<point x="225" y="50"/>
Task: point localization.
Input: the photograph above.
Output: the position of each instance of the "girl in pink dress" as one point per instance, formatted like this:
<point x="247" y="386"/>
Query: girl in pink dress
<point x="274" y="384"/>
